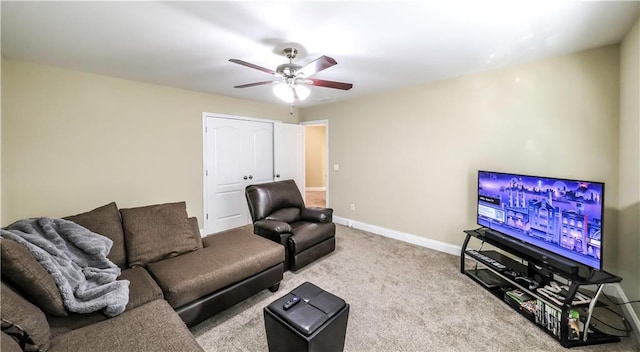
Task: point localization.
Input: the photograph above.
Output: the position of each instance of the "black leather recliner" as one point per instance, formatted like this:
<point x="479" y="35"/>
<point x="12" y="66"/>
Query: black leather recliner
<point x="279" y="214"/>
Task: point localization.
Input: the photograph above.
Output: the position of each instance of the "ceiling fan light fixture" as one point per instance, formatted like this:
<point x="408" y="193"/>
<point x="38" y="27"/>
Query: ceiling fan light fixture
<point x="285" y="92"/>
<point x="302" y="92"/>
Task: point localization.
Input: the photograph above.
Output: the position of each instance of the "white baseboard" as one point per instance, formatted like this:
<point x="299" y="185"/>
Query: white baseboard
<point x="315" y="189"/>
<point x="614" y="289"/>
<point x="401" y="236"/>
<point x="626" y="308"/>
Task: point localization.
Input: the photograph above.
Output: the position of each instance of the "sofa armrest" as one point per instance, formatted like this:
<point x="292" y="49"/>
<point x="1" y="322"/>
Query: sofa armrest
<point x="321" y="215"/>
<point x="272" y="229"/>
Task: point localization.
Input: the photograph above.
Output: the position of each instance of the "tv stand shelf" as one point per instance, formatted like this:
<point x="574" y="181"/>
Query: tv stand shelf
<point x="549" y="296"/>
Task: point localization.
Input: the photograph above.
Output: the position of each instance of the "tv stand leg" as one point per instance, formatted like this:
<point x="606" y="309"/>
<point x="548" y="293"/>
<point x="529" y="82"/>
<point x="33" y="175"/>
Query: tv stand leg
<point x="464" y="248"/>
<point x="592" y="306"/>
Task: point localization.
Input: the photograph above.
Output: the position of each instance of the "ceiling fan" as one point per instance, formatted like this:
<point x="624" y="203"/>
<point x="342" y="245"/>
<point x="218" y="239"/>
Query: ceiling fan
<point x="292" y="78"/>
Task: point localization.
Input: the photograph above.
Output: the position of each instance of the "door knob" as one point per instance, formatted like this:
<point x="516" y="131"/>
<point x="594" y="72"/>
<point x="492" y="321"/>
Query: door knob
<point x="245" y="177"/>
<point x="277" y="175"/>
<point x="251" y="177"/>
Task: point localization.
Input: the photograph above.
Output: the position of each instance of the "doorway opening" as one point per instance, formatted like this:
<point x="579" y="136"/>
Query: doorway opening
<point x="316" y="161"/>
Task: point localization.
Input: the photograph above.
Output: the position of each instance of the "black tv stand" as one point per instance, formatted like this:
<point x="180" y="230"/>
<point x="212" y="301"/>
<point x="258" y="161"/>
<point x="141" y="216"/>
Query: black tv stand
<point x="525" y="251"/>
<point x="551" y="295"/>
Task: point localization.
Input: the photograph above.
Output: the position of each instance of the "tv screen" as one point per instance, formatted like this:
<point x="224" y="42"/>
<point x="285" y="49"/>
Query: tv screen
<point x="559" y="215"/>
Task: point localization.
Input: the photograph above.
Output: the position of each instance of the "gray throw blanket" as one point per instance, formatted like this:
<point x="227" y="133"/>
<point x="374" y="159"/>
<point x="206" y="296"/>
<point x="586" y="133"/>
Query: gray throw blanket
<point x="77" y="260"/>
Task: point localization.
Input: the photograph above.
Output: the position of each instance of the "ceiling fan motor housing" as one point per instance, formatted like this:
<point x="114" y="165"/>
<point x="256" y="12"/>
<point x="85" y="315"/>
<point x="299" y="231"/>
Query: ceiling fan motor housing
<point x="288" y="70"/>
<point x="290" y="53"/>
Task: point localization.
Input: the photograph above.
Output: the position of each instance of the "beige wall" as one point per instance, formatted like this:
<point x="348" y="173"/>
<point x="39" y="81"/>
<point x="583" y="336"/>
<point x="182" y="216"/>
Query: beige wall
<point x="1" y="59"/>
<point x="629" y="198"/>
<point x="1" y="156"/>
<point x="409" y="158"/>
<point x="315" y="156"/>
<point x="73" y="141"/>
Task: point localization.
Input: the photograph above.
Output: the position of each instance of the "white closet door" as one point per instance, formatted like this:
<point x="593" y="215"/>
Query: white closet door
<point x="289" y="153"/>
<point x="261" y="155"/>
<point x="238" y="153"/>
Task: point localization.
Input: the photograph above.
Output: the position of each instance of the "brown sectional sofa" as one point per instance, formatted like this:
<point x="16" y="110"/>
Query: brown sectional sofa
<point x="177" y="279"/>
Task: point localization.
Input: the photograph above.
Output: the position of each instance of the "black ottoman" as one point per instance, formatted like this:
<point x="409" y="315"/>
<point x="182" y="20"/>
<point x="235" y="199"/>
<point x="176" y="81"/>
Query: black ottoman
<point x="316" y="323"/>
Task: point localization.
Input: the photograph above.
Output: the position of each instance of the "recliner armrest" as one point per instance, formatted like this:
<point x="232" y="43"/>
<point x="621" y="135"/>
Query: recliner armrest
<point x="321" y="215"/>
<point x="272" y="229"/>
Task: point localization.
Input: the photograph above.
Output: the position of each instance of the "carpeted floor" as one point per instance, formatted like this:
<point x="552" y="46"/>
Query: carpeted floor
<point x="403" y="298"/>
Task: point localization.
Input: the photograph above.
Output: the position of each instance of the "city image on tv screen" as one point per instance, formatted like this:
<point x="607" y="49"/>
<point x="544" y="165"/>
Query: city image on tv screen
<point x="559" y="215"/>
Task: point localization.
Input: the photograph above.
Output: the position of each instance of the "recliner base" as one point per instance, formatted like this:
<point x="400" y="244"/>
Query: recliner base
<point x="302" y="259"/>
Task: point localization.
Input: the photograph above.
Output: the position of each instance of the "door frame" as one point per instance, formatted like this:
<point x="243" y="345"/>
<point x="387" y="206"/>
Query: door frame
<point x="205" y="115"/>
<point x="324" y="123"/>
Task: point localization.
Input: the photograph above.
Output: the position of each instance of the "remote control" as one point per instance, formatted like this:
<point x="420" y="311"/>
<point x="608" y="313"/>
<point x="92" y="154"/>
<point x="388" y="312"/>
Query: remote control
<point x="290" y="303"/>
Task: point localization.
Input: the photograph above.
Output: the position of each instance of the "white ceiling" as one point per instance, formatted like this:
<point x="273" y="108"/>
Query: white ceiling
<point x="378" y="45"/>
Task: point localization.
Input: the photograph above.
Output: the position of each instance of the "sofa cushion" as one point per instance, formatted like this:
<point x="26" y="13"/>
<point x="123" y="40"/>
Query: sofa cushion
<point x="8" y="344"/>
<point x="157" y="232"/>
<point x="211" y="240"/>
<point x="193" y="223"/>
<point x="23" y="321"/>
<point x="22" y="270"/>
<point x="62" y="325"/>
<point x="142" y="288"/>
<point x="228" y="258"/>
<point x="105" y="221"/>
<point x="154" y="326"/>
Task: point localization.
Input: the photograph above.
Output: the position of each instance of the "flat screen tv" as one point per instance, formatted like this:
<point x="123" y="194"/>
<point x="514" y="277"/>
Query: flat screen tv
<point x="560" y="216"/>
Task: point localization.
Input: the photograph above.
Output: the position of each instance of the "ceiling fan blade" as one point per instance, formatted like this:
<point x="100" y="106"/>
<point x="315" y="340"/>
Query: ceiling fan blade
<point x="253" y="84"/>
<point x="250" y="65"/>
<point x="329" y="84"/>
<point x="317" y="65"/>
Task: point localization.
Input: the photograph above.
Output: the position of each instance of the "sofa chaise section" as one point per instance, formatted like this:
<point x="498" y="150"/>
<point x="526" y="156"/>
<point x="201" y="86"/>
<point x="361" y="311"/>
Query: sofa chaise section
<point x="204" y="282"/>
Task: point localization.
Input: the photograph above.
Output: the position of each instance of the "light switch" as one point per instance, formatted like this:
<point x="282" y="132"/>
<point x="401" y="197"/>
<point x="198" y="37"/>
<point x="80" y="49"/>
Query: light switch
<point x="336" y="167"/>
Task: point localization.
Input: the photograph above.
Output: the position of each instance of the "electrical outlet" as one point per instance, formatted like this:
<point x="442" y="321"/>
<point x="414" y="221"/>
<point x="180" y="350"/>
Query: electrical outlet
<point x="353" y="207"/>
